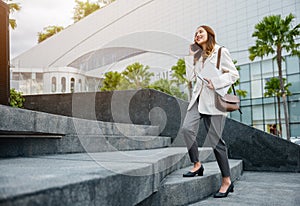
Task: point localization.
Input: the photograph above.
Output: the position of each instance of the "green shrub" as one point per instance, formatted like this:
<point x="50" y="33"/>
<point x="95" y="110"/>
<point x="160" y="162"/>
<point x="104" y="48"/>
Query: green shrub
<point x="16" y="98"/>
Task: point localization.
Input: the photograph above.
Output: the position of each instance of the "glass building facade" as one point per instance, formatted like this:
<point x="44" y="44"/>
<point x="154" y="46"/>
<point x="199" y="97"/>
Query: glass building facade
<point x="262" y="112"/>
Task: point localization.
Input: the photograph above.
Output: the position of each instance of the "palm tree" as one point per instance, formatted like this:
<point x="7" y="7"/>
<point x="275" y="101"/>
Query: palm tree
<point x="274" y="35"/>
<point x="137" y="75"/>
<point x="12" y="8"/>
<point x="166" y="86"/>
<point x="111" y="81"/>
<point x="162" y="85"/>
<point x="273" y="89"/>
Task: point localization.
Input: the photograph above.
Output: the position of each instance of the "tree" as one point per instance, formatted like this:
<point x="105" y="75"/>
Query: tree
<point x="239" y="92"/>
<point x="164" y="85"/>
<point x="16" y="98"/>
<point x="12" y="8"/>
<point x="105" y="2"/>
<point x="111" y="81"/>
<point x="83" y="9"/>
<point x="179" y="72"/>
<point x="274" y="35"/>
<point x="179" y="75"/>
<point x="137" y="75"/>
<point x="48" y="32"/>
<point x="273" y="89"/>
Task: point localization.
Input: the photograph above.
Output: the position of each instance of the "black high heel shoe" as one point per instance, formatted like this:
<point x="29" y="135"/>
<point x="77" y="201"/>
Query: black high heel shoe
<point x="221" y="195"/>
<point x="193" y="174"/>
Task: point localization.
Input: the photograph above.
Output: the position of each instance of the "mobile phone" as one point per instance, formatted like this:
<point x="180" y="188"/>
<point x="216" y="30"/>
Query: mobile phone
<point x="195" y="47"/>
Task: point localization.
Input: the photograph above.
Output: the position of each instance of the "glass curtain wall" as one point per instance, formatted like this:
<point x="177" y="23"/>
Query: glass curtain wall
<point x="262" y="112"/>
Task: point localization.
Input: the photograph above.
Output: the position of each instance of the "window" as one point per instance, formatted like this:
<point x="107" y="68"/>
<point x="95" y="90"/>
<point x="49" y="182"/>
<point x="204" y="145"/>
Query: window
<point x="295" y="130"/>
<point x="255" y="71"/>
<point x="256" y="89"/>
<point x="294" y="112"/>
<point x="270" y="112"/>
<point x="246" y="86"/>
<point x="295" y="81"/>
<point x="257" y="113"/>
<point x="246" y="116"/>
<point x="267" y="68"/>
<point x="235" y="115"/>
<point x="292" y="64"/>
<point x="244" y="73"/>
<point x="53" y="84"/>
<point x="72" y="85"/>
<point x="257" y="101"/>
<point x="79" y="85"/>
<point x="63" y="84"/>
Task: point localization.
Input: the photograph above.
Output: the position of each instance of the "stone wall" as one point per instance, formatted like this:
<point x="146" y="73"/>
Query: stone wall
<point x="146" y="107"/>
<point x="259" y="150"/>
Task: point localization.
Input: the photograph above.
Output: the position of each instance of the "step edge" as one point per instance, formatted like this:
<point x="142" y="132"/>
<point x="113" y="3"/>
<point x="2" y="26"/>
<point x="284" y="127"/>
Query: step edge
<point x="157" y="174"/>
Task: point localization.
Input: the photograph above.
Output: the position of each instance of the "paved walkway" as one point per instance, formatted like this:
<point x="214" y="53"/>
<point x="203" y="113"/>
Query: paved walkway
<point x="261" y="188"/>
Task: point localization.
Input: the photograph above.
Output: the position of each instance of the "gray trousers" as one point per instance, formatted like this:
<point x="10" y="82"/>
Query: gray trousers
<point x="214" y="127"/>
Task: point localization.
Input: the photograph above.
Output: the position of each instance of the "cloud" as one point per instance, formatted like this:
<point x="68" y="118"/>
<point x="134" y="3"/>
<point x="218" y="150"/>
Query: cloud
<point x="33" y="17"/>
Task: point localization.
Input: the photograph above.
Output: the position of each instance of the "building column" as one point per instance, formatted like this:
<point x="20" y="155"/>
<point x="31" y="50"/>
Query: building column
<point x="4" y="54"/>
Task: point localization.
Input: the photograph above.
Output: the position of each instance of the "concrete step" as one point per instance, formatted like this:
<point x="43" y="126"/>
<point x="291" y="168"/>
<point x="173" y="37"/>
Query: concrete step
<point x="176" y="190"/>
<point x="131" y="129"/>
<point x="32" y="145"/>
<point x="107" y="178"/>
<point x="27" y="121"/>
<point x="92" y="143"/>
<point x="30" y="136"/>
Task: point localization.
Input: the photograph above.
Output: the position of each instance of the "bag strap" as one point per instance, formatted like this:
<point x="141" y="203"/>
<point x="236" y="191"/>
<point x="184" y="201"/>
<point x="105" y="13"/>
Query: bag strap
<point x="218" y="67"/>
<point x="219" y="58"/>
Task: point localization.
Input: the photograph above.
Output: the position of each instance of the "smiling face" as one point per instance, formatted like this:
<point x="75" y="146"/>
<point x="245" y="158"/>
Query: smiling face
<point x="201" y="36"/>
<point x="205" y="38"/>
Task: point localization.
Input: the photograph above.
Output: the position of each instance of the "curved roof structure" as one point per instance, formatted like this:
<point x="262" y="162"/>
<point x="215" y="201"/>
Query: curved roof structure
<point x="104" y="28"/>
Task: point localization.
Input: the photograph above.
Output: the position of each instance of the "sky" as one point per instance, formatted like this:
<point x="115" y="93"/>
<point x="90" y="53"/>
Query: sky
<point x="33" y="17"/>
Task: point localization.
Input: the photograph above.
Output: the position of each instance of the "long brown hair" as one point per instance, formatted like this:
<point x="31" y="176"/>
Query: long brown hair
<point x="211" y="41"/>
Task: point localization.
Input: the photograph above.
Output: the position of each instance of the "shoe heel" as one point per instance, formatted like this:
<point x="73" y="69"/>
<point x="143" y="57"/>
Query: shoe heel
<point x="231" y="189"/>
<point x="201" y="171"/>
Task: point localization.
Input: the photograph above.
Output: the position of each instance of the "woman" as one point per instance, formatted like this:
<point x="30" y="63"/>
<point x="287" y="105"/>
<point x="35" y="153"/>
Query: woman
<point x="209" y="80"/>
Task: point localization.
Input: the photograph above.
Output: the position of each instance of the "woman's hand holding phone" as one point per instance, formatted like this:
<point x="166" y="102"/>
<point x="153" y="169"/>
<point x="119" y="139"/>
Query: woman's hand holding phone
<point x="194" y="48"/>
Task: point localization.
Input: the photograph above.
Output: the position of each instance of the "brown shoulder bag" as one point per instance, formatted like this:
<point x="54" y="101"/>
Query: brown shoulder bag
<point x="229" y="102"/>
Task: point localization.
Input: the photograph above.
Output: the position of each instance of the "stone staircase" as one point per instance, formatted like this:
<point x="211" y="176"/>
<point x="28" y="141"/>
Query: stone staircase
<point x="175" y="190"/>
<point x="57" y="160"/>
<point x="29" y="133"/>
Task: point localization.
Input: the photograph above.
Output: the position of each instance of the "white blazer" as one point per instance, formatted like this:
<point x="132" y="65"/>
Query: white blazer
<point x="221" y="78"/>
